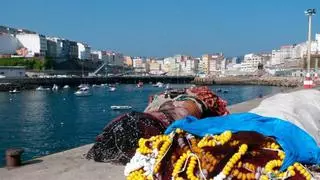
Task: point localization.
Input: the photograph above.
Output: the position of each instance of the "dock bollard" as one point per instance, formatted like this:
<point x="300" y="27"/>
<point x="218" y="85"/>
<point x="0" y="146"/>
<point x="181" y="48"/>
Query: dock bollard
<point x="13" y="157"/>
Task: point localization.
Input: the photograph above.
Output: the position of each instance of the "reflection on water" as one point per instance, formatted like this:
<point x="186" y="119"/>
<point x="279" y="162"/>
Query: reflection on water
<point x="48" y="122"/>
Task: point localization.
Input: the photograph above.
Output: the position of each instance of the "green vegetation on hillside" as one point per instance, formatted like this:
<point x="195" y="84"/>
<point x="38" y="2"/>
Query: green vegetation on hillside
<point x="35" y="64"/>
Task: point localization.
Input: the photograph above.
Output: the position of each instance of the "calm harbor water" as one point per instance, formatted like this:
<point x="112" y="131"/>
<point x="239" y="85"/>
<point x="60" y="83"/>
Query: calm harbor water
<point x="47" y="122"/>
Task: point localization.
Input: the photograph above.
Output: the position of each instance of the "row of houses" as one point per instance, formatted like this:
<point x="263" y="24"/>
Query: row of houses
<point x="25" y="43"/>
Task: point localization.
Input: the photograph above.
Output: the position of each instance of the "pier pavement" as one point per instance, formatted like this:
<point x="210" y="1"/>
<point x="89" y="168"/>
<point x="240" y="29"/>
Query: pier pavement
<point x="72" y="164"/>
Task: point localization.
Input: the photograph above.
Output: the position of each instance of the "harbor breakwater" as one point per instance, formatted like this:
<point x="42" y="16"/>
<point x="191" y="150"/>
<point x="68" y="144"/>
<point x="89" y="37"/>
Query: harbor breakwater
<point x="268" y="81"/>
<point x="7" y="84"/>
<point x="31" y="83"/>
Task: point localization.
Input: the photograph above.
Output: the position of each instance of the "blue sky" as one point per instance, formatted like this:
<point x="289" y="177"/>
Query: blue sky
<point x="167" y="27"/>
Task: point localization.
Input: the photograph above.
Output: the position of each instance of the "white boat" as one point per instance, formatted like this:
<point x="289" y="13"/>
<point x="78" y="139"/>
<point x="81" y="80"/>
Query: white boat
<point x="83" y="92"/>
<point x="55" y="87"/>
<point x="66" y="87"/>
<point x="40" y="88"/>
<point x="83" y="86"/>
<point x="112" y="89"/>
<point x="14" y="91"/>
<point x="95" y="85"/>
<point x="120" y="107"/>
<point x="159" y="84"/>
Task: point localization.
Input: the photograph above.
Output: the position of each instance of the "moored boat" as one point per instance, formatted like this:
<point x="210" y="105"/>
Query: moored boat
<point x="55" y="87"/>
<point x="112" y="89"/>
<point x="14" y="91"/>
<point x="120" y="107"/>
<point x="40" y="88"/>
<point x="66" y="87"/>
<point x="82" y="92"/>
<point x="159" y="84"/>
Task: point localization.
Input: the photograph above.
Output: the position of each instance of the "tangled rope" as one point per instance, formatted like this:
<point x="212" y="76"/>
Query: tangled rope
<point x="243" y="155"/>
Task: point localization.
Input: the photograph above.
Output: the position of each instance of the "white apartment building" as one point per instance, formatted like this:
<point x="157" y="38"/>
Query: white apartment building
<point x="83" y="51"/>
<point x="36" y="44"/>
<point x="189" y="66"/>
<point x="98" y="53"/>
<point x="211" y="63"/>
<point x="251" y="62"/>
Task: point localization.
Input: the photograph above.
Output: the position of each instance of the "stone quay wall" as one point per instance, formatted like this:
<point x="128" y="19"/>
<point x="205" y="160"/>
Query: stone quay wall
<point x="268" y="81"/>
<point x="7" y="84"/>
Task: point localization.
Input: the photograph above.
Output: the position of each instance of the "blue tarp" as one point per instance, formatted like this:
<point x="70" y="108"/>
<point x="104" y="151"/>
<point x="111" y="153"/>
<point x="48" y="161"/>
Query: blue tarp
<point x="298" y="145"/>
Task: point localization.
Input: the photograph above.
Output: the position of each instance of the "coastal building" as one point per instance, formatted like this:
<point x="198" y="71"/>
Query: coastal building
<point x="9" y="44"/>
<point x="84" y="51"/>
<point x="172" y="65"/>
<point x="154" y="66"/>
<point x="211" y="63"/>
<point x="112" y="58"/>
<point x="189" y="66"/>
<point x="69" y="49"/>
<point x="96" y="55"/>
<point x="35" y="43"/>
<point x="251" y="62"/>
<point x="283" y="54"/>
<point x="14" y="31"/>
<point x="140" y="65"/>
<point x="127" y="61"/>
<point x="12" y="71"/>
<point x="52" y="47"/>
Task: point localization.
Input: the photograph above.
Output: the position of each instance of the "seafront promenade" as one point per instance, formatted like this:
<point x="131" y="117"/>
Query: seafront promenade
<point x="72" y="164"/>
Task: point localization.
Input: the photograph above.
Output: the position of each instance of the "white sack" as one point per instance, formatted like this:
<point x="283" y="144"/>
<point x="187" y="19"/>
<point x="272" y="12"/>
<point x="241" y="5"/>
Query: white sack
<point x="301" y="108"/>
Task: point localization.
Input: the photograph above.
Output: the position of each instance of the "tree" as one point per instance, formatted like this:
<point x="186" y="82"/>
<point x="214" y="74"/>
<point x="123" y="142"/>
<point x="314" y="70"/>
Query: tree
<point x="48" y="63"/>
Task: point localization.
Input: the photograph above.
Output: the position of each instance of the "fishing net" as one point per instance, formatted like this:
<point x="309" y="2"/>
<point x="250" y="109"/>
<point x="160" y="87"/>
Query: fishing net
<point x="241" y="155"/>
<point x="118" y="141"/>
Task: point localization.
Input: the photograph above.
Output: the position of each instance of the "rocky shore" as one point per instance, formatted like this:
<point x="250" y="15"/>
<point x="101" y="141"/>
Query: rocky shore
<point x="268" y="81"/>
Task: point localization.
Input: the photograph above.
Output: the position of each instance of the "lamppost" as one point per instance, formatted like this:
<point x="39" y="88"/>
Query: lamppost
<point x="309" y="13"/>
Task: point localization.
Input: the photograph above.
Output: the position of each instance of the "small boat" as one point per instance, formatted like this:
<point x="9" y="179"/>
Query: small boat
<point x="140" y="84"/>
<point x="66" y="87"/>
<point x="219" y="90"/>
<point x="159" y="84"/>
<point x="55" y="87"/>
<point x="225" y="91"/>
<point x="95" y="85"/>
<point x="120" y="107"/>
<point x="14" y="91"/>
<point x="82" y="92"/>
<point x="111" y="89"/>
<point x="40" y="88"/>
<point x="83" y="86"/>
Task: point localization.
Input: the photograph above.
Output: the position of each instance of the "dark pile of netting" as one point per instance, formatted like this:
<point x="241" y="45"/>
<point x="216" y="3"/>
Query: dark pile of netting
<point x="117" y="142"/>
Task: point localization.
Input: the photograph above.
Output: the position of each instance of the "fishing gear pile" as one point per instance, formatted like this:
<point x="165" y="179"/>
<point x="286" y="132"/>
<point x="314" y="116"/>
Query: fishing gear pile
<point x="119" y="139"/>
<point x="238" y="146"/>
